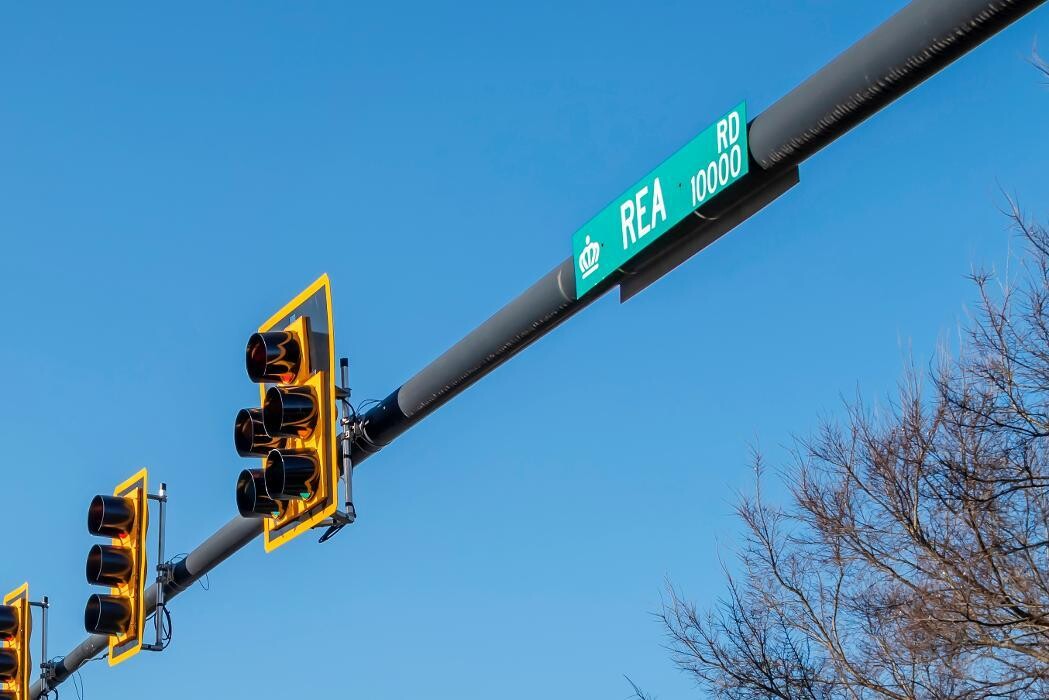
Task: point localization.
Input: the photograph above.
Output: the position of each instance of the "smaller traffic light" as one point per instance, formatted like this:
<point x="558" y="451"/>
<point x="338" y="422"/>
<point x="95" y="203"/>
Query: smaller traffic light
<point x="15" y="631"/>
<point x="120" y="566"/>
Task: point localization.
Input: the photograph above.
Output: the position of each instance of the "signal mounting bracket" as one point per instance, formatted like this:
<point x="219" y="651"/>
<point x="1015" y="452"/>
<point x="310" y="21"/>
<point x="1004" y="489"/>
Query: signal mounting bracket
<point x="47" y="667"/>
<point x="341" y="519"/>
<point x="165" y="569"/>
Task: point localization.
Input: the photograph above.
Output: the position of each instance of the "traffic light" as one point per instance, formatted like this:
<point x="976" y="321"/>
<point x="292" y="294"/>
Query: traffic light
<point x="119" y="565"/>
<point x="292" y="358"/>
<point x="15" y="630"/>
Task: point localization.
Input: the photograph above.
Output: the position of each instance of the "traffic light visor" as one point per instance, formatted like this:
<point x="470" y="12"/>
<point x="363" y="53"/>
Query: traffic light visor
<point x="8" y="665"/>
<point x="107" y="614"/>
<point x="289" y="411"/>
<point x="290" y="477"/>
<point x="252" y="500"/>
<point x="250" y="436"/>
<point x="8" y="622"/>
<point x="274" y="356"/>
<point x="110" y="516"/>
<point x="109" y="566"/>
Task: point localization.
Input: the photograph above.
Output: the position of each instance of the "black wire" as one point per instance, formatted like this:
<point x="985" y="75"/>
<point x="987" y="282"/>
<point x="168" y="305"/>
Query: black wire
<point x="165" y="635"/>
<point x="164" y="638"/>
<point x="171" y="627"/>
<point x="366" y="402"/>
<point x="73" y="676"/>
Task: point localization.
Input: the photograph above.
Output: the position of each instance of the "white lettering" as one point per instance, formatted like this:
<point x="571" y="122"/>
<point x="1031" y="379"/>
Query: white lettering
<point x="641" y="228"/>
<point x="736" y="158"/>
<point x="723" y="134"/>
<point x="733" y="127"/>
<point x="626" y="217"/>
<point x="657" y="203"/>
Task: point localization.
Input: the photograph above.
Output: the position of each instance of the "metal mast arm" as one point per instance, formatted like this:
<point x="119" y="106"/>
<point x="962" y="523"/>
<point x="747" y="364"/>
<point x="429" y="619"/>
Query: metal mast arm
<point x="914" y="44"/>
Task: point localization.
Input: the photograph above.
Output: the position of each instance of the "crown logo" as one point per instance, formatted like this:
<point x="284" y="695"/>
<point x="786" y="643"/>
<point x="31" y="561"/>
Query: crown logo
<point x="588" y="258"/>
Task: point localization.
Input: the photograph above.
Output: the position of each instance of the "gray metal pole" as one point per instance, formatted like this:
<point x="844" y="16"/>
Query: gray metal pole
<point x="158" y="620"/>
<point x="909" y="47"/>
<point x="533" y="314"/>
<point x="912" y="45"/>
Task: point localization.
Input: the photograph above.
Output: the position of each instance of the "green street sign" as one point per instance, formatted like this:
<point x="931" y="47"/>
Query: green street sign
<point x="682" y="183"/>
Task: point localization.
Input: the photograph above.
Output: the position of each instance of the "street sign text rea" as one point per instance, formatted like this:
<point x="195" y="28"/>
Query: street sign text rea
<point x="685" y="181"/>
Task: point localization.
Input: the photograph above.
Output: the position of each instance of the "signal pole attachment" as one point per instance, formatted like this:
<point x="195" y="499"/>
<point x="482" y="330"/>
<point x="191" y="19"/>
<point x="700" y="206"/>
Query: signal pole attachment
<point x="47" y="667"/>
<point x="164" y="571"/>
<point x="341" y="519"/>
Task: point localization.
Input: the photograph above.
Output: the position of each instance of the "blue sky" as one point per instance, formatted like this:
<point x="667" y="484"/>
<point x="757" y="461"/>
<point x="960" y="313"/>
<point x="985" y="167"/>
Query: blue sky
<point x="170" y="176"/>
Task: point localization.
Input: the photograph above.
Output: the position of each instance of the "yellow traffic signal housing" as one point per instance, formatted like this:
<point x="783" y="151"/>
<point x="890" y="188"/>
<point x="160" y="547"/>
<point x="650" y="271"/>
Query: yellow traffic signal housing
<point x="16" y="625"/>
<point x="292" y="358"/>
<point x="120" y="565"/>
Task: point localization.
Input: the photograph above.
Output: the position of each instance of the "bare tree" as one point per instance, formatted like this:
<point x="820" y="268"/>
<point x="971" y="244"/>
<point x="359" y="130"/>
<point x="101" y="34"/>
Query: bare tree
<point x="913" y="559"/>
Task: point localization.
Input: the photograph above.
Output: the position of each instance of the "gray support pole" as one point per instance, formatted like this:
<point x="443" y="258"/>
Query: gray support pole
<point x="909" y="47"/>
<point x="912" y="45"/>
<point x="533" y="314"/>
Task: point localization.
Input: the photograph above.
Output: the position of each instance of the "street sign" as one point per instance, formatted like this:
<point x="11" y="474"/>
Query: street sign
<point x="700" y="171"/>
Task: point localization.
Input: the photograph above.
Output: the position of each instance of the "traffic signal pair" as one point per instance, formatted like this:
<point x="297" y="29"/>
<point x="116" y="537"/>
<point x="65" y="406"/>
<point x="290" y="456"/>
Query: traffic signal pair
<point x="292" y="358"/>
<point x="15" y="631"/>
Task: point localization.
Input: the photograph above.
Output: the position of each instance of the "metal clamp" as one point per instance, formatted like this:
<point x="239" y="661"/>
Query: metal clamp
<point x="341" y="519"/>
